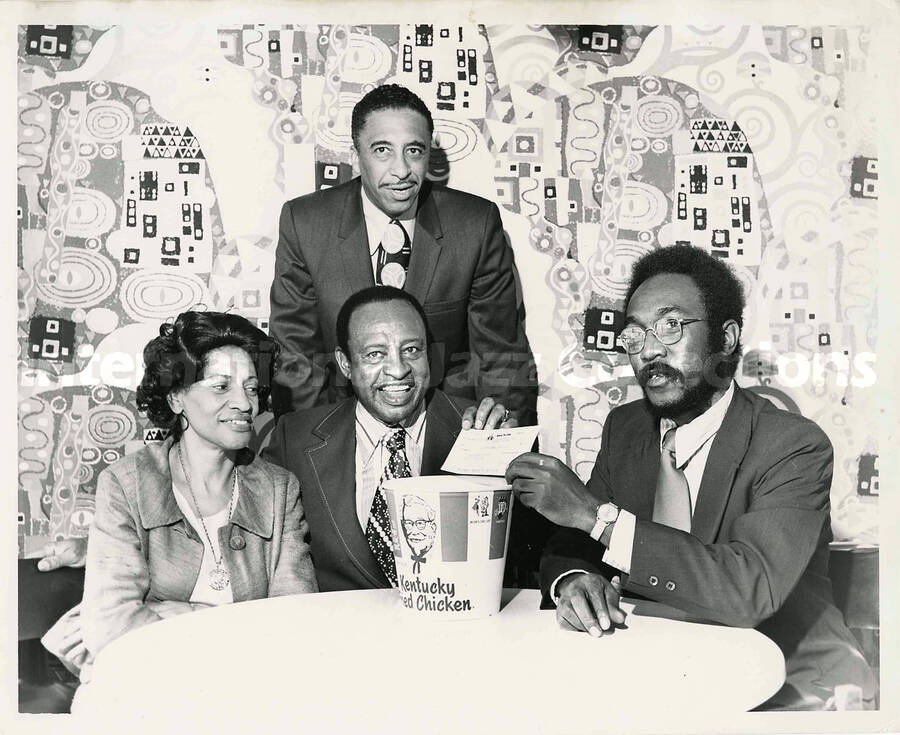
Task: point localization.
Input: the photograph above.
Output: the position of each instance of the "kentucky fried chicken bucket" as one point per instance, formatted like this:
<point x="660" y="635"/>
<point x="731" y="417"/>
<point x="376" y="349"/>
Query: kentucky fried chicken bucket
<point x="449" y="537"/>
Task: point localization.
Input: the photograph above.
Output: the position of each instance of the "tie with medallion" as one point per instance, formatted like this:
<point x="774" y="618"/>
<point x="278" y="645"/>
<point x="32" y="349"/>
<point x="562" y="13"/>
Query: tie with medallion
<point x="392" y="256"/>
<point x="672" y="505"/>
<point x="378" y="527"/>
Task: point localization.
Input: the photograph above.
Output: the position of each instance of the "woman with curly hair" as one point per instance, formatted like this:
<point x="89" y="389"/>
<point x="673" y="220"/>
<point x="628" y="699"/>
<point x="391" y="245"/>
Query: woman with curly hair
<point x="196" y="520"/>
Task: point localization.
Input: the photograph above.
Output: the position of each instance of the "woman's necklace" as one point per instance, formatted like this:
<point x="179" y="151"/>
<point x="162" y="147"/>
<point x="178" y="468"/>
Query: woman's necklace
<point x="218" y="577"/>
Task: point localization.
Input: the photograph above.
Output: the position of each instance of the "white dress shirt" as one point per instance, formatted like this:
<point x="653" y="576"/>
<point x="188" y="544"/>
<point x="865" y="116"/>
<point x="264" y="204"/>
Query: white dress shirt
<point x="372" y="455"/>
<point x="693" y="441"/>
<point x="377" y="222"/>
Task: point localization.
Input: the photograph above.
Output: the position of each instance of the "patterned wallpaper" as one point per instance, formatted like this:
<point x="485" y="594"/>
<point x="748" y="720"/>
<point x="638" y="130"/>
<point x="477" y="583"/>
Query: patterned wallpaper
<point x="153" y="161"/>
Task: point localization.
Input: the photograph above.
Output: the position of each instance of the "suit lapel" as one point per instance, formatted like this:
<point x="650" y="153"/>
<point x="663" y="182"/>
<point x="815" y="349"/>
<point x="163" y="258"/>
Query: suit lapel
<point x="728" y="449"/>
<point x="354" y="242"/>
<point x="443" y="424"/>
<point x="334" y="464"/>
<point x="156" y="500"/>
<point x="641" y="475"/>
<point x="255" y="509"/>
<point x="426" y="247"/>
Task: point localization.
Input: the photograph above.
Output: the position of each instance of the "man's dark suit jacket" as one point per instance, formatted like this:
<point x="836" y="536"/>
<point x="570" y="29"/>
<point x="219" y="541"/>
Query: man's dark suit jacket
<point x="461" y="271"/>
<point x="757" y="553"/>
<point x="319" y="446"/>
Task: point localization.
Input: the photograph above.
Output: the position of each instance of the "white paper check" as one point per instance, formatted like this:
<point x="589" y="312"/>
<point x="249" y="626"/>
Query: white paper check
<point x="488" y="452"/>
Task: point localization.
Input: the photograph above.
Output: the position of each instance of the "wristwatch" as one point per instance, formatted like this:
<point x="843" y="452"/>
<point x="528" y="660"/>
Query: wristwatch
<point x="606" y="514"/>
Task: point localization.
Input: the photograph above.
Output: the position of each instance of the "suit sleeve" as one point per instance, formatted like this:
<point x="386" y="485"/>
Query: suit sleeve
<point x="746" y="579"/>
<point x="117" y="578"/>
<point x="294" y="322"/>
<point x="496" y="334"/>
<point x="294" y="569"/>
<point x="569" y="548"/>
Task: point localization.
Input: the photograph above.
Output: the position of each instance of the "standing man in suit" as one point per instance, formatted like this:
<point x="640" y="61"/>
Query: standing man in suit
<point x="394" y="426"/>
<point x="390" y="227"/>
<point x="704" y="496"/>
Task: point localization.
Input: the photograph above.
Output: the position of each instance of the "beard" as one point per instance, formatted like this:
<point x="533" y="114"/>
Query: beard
<point x="695" y="399"/>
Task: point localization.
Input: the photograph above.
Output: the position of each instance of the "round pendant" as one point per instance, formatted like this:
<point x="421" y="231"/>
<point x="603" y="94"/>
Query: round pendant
<point x="393" y="275"/>
<point x="218" y="579"/>
<point x="394" y="238"/>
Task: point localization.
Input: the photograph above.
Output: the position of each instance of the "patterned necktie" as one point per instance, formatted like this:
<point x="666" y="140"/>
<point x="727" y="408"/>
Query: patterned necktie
<point x="392" y="256"/>
<point x="672" y="505"/>
<point x="378" y="527"/>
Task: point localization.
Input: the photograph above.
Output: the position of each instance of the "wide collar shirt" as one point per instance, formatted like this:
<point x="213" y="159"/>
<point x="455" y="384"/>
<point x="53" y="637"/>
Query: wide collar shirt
<point x="372" y="454"/>
<point x="377" y="222"/>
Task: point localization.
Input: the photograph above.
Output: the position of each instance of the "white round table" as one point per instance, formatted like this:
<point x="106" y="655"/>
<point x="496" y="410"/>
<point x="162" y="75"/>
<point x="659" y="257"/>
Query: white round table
<point x="358" y="662"/>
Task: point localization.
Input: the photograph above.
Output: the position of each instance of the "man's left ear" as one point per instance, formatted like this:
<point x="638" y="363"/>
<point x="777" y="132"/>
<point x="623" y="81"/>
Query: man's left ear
<point x="732" y="336"/>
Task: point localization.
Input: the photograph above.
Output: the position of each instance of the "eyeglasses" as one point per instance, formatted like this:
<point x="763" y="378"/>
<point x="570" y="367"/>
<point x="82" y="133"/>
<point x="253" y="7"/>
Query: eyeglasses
<point x="668" y="330"/>
<point x="420" y="524"/>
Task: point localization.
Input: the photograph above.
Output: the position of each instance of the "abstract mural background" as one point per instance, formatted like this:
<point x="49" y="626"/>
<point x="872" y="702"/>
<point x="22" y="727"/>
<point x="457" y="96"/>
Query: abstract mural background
<point x="153" y="161"/>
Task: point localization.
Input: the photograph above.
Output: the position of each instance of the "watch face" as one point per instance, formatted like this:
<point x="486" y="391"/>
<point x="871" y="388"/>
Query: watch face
<point x="607" y="513"/>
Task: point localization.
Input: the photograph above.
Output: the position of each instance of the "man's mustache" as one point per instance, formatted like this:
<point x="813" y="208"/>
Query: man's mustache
<point x="657" y="368"/>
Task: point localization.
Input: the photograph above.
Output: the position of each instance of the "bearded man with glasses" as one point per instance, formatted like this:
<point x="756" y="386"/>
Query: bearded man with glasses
<point x="704" y="496"/>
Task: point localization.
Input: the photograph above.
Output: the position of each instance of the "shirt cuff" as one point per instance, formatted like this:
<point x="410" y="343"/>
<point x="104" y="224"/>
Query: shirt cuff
<point x="553" y="595"/>
<point x="621" y="543"/>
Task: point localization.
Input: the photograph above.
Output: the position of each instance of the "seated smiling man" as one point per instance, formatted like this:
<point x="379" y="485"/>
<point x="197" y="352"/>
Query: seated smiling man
<point x="704" y="496"/>
<point x="395" y="426"/>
